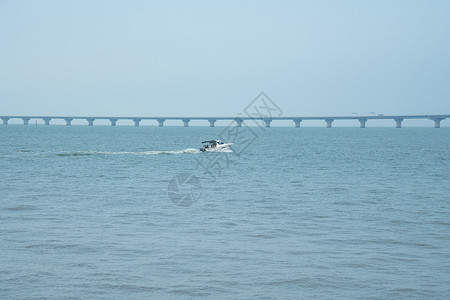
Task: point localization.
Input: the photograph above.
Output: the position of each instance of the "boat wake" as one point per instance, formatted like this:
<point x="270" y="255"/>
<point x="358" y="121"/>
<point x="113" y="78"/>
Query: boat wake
<point x="162" y="152"/>
<point x="90" y="153"/>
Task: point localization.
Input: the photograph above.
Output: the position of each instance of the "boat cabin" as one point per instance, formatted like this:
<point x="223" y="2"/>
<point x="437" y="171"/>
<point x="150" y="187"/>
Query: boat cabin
<point x="212" y="143"/>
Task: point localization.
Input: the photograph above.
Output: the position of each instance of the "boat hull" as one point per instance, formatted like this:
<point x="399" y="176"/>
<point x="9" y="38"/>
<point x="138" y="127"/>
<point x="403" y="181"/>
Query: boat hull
<point x="218" y="148"/>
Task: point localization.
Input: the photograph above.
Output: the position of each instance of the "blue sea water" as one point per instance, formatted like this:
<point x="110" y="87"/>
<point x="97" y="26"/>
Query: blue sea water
<point x="292" y="213"/>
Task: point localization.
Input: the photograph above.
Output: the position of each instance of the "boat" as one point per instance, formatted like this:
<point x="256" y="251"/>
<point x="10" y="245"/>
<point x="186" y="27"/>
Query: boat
<point x="214" y="145"/>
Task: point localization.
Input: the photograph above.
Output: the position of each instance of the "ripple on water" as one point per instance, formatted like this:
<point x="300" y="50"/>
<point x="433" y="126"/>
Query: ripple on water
<point x="23" y="207"/>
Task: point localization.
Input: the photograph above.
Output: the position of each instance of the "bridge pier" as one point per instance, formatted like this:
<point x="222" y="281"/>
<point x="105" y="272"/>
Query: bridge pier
<point x="329" y="122"/>
<point x="212" y="122"/>
<point x="5" y="120"/>
<point x="267" y="122"/>
<point x="137" y="121"/>
<point x="68" y="121"/>
<point x="398" y="122"/>
<point x="47" y="120"/>
<point x="437" y="122"/>
<point x="238" y="122"/>
<point x="297" y="122"/>
<point x="25" y="120"/>
<point x="161" y="122"/>
<point x="113" y="121"/>
<point x="186" y="122"/>
<point x="362" y="123"/>
<point x="90" y="121"/>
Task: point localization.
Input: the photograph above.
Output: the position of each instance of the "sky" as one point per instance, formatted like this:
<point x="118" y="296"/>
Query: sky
<point x="203" y="58"/>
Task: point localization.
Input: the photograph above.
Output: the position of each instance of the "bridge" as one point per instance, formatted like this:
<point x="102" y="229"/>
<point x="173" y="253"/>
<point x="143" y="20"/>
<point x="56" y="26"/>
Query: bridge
<point x="266" y="121"/>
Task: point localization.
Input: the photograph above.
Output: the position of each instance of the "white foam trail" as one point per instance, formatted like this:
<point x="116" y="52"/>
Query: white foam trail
<point x="88" y="153"/>
<point x="188" y="150"/>
<point x="152" y="152"/>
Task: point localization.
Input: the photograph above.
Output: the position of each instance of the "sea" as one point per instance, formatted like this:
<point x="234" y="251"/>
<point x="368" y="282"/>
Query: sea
<point x="125" y="212"/>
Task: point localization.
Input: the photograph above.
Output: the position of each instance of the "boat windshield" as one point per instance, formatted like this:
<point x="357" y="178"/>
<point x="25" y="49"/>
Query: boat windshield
<point x="213" y="142"/>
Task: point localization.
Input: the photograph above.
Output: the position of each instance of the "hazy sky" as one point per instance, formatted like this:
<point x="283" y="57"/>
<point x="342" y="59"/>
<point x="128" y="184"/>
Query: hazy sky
<point x="151" y="58"/>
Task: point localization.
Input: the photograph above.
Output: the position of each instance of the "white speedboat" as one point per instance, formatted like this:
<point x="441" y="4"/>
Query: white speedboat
<point x="214" y="145"/>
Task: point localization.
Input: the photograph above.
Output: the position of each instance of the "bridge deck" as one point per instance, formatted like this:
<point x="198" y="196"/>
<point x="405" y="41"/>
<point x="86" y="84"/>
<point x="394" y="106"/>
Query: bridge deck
<point x="238" y="119"/>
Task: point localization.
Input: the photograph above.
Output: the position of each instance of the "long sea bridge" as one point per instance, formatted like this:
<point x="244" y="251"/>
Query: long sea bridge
<point x="239" y="120"/>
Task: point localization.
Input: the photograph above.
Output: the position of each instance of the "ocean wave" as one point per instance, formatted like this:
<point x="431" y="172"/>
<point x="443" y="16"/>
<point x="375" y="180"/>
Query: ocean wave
<point x="21" y="208"/>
